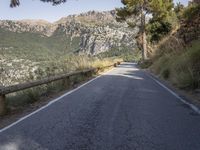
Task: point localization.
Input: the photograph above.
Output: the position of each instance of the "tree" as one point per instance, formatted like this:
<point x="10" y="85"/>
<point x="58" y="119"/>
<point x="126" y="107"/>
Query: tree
<point x="178" y="8"/>
<point x="159" y="9"/>
<point x="136" y="8"/>
<point x="14" y="3"/>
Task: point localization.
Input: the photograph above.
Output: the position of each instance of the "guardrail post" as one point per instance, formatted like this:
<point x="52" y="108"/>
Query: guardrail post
<point x="66" y="82"/>
<point x="2" y="104"/>
<point x="90" y="73"/>
<point x="96" y="71"/>
<point x="87" y="74"/>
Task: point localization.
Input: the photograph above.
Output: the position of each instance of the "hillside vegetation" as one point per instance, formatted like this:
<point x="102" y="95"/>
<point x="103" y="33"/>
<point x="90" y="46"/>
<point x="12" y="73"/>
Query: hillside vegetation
<point x="176" y="57"/>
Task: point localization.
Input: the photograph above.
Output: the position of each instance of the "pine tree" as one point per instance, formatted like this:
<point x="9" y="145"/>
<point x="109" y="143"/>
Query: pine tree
<point x="159" y="9"/>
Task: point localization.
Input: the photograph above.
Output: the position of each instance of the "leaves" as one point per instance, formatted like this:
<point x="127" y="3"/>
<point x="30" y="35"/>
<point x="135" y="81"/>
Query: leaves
<point x="161" y="9"/>
<point x="14" y="3"/>
<point x="122" y="14"/>
<point x="54" y="2"/>
<point x="158" y="8"/>
<point x="158" y="29"/>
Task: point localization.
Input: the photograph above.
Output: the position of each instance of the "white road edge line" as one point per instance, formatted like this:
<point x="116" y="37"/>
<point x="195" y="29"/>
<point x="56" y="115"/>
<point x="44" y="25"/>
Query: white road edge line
<point x="51" y="102"/>
<point x="192" y="106"/>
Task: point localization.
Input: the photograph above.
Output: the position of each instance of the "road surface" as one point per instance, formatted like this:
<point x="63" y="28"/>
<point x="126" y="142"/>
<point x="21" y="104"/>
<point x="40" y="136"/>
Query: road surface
<point x="124" y="109"/>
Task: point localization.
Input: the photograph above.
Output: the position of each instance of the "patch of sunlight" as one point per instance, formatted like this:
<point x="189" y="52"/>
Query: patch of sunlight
<point x="10" y="146"/>
<point x="18" y="143"/>
<point x="128" y="76"/>
<point x="135" y="69"/>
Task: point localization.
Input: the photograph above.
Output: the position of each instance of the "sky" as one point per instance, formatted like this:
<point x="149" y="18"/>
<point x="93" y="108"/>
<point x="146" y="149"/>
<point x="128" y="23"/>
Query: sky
<point x="34" y="9"/>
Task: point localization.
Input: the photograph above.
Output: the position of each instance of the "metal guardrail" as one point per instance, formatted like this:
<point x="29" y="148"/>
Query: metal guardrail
<point x="19" y="87"/>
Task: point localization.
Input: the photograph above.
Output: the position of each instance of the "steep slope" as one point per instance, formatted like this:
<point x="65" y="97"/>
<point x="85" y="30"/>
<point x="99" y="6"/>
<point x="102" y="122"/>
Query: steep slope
<point x="177" y="56"/>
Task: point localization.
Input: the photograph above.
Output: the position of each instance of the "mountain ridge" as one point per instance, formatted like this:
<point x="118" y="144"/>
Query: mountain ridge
<point x="97" y="31"/>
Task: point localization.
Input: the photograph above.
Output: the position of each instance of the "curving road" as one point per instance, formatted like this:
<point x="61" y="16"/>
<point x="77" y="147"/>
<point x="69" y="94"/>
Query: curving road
<point x="124" y="109"/>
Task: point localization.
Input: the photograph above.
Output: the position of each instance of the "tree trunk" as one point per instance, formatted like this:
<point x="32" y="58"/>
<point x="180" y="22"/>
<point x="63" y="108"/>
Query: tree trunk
<point x="144" y="42"/>
<point x="143" y="33"/>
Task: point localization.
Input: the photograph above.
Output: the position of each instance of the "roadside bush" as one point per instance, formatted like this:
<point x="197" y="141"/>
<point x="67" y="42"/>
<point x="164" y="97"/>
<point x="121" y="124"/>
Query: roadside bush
<point x="165" y="73"/>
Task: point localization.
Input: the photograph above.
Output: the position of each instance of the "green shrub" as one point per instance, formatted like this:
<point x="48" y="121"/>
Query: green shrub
<point x="165" y="73"/>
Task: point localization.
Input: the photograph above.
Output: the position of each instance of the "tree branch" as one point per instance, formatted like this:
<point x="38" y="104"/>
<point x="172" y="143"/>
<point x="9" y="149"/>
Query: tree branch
<point x="15" y="3"/>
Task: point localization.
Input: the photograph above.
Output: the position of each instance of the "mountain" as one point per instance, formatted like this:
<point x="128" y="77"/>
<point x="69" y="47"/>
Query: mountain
<point x="30" y="49"/>
<point x="90" y="33"/>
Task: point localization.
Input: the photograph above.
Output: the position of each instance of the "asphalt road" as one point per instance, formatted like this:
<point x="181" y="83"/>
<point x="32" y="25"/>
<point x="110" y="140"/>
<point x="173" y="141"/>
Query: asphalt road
<point x="122" y="110"/>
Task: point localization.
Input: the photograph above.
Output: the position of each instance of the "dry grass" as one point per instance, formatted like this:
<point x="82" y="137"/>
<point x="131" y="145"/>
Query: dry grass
<point x="169" y="45"/>
<point x="178" y="63"/>
<point x="99" y="63"/>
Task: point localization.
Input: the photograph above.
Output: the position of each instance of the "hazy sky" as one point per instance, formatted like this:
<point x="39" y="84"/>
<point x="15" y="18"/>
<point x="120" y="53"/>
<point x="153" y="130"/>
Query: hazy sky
<point x="33" y="9"/>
